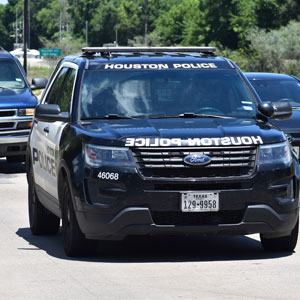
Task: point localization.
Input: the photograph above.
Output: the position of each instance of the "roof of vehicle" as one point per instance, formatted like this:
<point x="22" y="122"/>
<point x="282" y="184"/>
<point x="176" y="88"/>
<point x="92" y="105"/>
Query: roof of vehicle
<point x="5" y="54"/>
<point x="96" y="56"/>
<point x="265" y="76"/>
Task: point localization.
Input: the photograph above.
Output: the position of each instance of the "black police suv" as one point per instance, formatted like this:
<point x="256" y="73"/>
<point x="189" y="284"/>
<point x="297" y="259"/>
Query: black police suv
<point x="274" y="87"/>
<point x="17" y="104"/>
<point x="159" y="141"/>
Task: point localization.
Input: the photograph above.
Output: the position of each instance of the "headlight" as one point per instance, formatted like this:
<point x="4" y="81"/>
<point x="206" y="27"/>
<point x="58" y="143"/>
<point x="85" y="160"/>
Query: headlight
<point x="276" y="153"/>
<point x="26" y="112"/>
<point x="97" y="156"/>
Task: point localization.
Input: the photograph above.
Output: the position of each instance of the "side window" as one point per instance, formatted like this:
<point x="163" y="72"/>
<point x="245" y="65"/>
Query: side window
<point x="66" y="94"/>
<point x="53" y="96"/>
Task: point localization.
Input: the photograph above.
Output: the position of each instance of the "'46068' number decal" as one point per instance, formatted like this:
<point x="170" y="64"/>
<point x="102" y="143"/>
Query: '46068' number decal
<point x="108" y="176"/>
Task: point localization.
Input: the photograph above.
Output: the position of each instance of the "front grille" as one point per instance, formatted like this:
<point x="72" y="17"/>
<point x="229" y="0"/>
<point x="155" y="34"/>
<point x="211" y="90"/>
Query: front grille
<point x="12" y="125"/>
<point x="7" y="125"/>
<point x="169" y="162"/>
<point x="200" y="218"/>
<point x="7" y="113"/>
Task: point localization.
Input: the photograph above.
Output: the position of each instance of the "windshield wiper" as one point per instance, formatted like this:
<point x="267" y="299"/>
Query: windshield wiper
<point x="5" y="88"/>
<point x="191" y="115"/>
<point x="109" y="116"/>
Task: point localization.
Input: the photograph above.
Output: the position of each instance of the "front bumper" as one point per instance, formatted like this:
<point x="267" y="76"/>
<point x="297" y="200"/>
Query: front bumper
<point x="139" y="221"/>
<point x="267" y="203"/>
<point x="14" y="144"/>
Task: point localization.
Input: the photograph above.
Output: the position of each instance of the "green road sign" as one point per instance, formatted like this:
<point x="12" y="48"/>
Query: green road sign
<point x="50" y="52"/>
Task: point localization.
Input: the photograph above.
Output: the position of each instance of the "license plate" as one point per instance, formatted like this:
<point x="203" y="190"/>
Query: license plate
<point x="199" y="202"/>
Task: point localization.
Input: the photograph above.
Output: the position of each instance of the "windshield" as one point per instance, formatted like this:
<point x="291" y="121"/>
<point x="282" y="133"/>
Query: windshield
<point x="150" y="93"/>
<point x="278" y="90"/>
<point x="10" y="75"/>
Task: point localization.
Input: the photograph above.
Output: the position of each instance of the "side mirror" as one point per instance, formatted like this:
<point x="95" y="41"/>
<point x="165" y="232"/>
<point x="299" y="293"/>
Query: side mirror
<point x="50" y="113"/>
<point x="276" y="110"/>
<point x="38" y="83"/>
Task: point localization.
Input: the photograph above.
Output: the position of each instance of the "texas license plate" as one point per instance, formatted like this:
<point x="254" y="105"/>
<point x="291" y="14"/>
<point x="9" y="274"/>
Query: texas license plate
<point x="199" y="202"/>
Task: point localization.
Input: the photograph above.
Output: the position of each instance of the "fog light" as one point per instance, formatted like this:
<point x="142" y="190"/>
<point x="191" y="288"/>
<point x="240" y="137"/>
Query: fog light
<point x="25" y="125"/>
<point x="288" y="195"/>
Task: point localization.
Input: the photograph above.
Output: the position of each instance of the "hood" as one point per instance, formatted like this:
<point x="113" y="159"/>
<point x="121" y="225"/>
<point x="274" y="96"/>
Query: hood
<point x="148" y="132"/>
<point x="17" y="98"/>
<point x="290" y="125"/>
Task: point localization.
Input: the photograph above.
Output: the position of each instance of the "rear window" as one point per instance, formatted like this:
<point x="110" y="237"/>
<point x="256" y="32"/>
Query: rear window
<point x="147" y="93"/>
<point x="10" y="75"/>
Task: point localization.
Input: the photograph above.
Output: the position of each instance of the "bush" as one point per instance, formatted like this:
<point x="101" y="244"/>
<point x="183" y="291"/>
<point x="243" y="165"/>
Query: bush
<point x="276" y="50"/>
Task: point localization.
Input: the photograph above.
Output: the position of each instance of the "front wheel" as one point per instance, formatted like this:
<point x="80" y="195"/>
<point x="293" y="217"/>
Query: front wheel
<point x="75" y="243"/>
<point x="41" y="220"/>
<point x="284" y="243"/>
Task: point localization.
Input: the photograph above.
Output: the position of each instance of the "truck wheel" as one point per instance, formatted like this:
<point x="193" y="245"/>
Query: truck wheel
<point x="284" y="243"/>
<point x="15" y="158"/>
<point x="41" y="220"/>
<point x="75" y="243"/>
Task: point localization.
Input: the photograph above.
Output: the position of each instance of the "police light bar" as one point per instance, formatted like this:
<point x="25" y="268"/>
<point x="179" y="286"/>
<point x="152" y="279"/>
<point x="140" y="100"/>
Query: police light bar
<point x="93" y="50"/>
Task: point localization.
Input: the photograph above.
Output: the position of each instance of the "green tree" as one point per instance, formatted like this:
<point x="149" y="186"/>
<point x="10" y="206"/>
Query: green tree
<point x="276" y="50"/>
<point x="36" y="31"/>
<point x="8" y="20"/>
<point x="51" y="16"/>
<point x="289" y="10"/>
<point x="82" y="11"/>
<point x="178" y="20"/>
<point x="5" y="40"/>
<point x="102" y="25"/>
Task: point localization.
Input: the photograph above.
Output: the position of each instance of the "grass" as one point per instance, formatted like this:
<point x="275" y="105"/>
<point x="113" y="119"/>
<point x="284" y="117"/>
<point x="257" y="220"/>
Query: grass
<point x="34" y="72"/>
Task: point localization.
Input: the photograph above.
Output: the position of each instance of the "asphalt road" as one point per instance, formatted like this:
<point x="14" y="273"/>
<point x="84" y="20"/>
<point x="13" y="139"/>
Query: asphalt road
<point x="223" y="268"/>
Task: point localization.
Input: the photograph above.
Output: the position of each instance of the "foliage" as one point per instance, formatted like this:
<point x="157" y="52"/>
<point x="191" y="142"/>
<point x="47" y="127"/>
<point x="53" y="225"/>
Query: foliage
<point x="5" y="39"/>
<point x="277" y="50"/>
<point x="153" y="39"/>
<point x="67" y="45"/>
<point x="34" y="72"/>
<point x="57" y="12"/>
<point x="249" y="31"/>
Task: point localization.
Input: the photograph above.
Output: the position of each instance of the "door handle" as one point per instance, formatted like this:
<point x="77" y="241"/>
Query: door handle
<point x="46" y="129"/>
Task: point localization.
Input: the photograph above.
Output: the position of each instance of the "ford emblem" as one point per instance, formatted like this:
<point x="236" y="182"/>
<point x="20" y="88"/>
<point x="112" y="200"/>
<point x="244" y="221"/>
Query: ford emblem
<point x="196" y="159"/>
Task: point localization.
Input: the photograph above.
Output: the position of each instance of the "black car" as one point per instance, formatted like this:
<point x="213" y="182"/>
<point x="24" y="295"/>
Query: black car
<point x="283" y="88"/>
<point x="17" y="104"/>
<point x="159" y="141"/>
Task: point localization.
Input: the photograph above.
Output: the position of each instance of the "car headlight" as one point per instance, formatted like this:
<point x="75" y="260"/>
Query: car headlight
<point x="275" y="153"/>
<point x="26" y="112"/>
<point x="97" y="156"/>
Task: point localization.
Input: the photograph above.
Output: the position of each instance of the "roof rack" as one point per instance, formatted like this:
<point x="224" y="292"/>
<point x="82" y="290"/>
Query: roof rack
<point x="108" y="50"/>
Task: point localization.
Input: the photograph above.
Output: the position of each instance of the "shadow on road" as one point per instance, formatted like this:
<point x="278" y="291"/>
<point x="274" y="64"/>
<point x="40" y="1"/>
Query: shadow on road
<point x="11" y="168"/>
<point x="159" y="249"/>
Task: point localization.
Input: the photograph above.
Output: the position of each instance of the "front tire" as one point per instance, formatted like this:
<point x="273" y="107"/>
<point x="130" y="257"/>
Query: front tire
<point x="75" y="243"/>
<point x="41" y="220"/>
<point x="284" y="243"/>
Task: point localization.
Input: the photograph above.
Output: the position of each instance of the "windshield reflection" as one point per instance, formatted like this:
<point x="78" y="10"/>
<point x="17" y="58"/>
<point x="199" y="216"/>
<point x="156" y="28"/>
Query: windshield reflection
<point x="10" y="75"/>
<point x="165" y="92"/>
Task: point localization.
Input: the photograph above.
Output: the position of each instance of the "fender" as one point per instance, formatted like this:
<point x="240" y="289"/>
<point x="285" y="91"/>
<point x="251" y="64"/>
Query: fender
<point x="65" y="174"/>
<point x="28" y="159"/>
